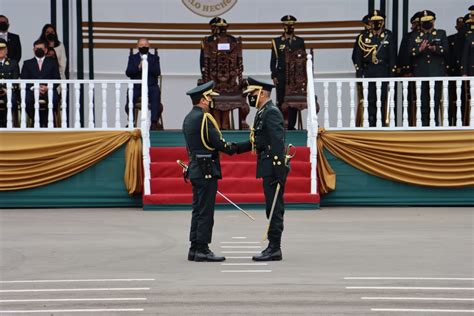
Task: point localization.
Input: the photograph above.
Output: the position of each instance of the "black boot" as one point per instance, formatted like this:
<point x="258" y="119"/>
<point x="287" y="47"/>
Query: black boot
<point x="192" y="251"/>
<point x="271" y="253"/>
<point x="203" y="253"/>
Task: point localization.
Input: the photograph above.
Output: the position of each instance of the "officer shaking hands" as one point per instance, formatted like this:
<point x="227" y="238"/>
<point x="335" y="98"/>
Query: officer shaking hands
<point x="267" y="139"/>
<point x="204" y="142"/>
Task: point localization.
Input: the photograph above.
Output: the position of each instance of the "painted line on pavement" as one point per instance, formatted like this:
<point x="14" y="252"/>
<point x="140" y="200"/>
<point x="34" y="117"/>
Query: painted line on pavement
<point x="408" y="288"/>
<point x="382" y="298"/>
<point x="72" y="310"/>
<point x="408" y="278"/>
<point x="83" y="280"/>
<point x="78" y="290"/>
<point x="245" y="264"/>
<point x="422" y="310"/>
<point x="246" y="271"/>
<point x="76" y="299"/>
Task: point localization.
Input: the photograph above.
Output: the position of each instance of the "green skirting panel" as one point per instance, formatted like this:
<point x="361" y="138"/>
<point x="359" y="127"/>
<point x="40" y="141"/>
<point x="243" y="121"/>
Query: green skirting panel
<point x="98" y="186"/>
<point x="176" y="138"/>
<point x="354" y="187"/>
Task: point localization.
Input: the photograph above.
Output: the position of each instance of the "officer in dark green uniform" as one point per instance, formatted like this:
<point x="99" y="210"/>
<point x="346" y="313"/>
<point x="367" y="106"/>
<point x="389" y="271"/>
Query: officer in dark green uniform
<point x="467" y="65"/>
<point x="204" y="142"/>
<point x="287" y="41"/>
<point x="208" y="39"/>
<point x="453" y="66"/>
<point x="429" y="48"/>
<point x="267" y="139"/>
<point x="374" y="57"/>
<point x="404" y="66"/>
<point x="8" y="70"/>
<point x="360" y="94"/>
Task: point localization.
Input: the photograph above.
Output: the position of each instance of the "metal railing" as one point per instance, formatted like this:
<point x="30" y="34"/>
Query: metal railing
<point x="100" y="105"/>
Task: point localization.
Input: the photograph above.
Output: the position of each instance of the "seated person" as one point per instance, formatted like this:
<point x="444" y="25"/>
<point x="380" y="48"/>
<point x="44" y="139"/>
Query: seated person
<point x="134" y="71"/>
<point x="8" y="70"/>
<point x="40" y="67"/>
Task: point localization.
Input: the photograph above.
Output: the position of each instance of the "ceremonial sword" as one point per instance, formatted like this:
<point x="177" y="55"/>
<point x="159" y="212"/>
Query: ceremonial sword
<point x="185" y="167"/>
<point x="288" y="157"/>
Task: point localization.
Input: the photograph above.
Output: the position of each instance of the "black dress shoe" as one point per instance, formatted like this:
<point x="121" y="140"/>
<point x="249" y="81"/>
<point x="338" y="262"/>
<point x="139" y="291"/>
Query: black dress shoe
<point x="269" y="254"/>
<point x="191" y="254"/>
<point x="206" y="255"/>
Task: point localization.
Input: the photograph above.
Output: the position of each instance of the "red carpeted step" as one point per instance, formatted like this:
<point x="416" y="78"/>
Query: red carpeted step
<point x="233" y="169"/>
<point x="227" y="185"/>
<point x="247" y="198"/>
<point x="168" y="154"/>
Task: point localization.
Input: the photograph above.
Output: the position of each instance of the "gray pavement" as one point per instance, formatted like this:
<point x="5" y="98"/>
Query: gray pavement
<point x="337" y="261"/>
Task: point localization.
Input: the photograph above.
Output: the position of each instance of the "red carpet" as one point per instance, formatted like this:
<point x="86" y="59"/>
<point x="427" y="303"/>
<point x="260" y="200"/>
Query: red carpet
<point x="238" y="183"/>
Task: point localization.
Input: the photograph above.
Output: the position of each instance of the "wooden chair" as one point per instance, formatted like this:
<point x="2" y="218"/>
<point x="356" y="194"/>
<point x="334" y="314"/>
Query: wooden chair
<point x="296" y="83"/>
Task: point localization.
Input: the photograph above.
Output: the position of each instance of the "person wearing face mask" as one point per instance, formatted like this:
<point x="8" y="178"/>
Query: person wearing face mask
<point x="404" y="66"/>
<point x="206" y="40"/>
<point x="267" y="140"/>
<point x="288" y="41"/>
<point x="222" y="63"/>
<point x="204" y="141"/>
<point x="375" y="57"/>
<point x="360" y="95"/>
<point x="50" y="36"/>
<point x="134" y="71"/>
<point x="467" y="65"/>
<point x="429" y="47"/>
<point x="40" y="67"/>
<point x="13" y="40"/>
<point x="8" y="70"/>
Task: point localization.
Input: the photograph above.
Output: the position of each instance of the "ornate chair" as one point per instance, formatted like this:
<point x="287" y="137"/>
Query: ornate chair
<point x="223" y="64"/>
<point x="296" y="82"/>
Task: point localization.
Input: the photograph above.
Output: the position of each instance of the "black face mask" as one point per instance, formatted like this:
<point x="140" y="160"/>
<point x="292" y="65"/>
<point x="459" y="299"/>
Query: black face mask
<point x="4" y="26"/>
<point x="377" y="26"/>
<point x="222" y="31"/>
<point x="252" y="100"/>
<point x="51" y="37"/>
<point x="143" y="50"/>
<point x="427" y="25"/>
<point x="39" y="53"/>
<point x="289" y="29"/>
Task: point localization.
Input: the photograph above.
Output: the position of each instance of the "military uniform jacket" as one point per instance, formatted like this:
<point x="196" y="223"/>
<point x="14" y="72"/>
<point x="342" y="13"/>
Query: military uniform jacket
<point x="429" y="63"/>
<point x="203" y="138"/>
<point x="375" y="54"/>
<point x="467" y="60"/>
<point x="269" y="140"/>
<point x="277" y="60"/>
<point x="9" y="69"/>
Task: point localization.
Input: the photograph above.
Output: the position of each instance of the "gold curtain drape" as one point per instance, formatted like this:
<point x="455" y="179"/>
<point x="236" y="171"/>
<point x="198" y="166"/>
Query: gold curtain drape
<point x="426" y="158"/>
<point x="33" y="159"/>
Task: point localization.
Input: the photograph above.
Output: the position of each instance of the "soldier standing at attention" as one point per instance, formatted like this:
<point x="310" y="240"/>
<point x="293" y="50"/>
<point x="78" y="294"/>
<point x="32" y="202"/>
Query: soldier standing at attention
<point x="429" y="48"/>
<point x="8" y="70"/>
<point x="375" y="57"/>
<point x="467" y="64"/>
<point x="208" y="39"/>
<point x="267" y="139"/>
<point x="453" y="66"/>
<point x="287" y="41"/>
<point x="204" y="142"/>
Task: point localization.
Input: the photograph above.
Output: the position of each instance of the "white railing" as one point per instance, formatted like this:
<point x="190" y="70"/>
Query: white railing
<point x="340" y="99"/>
<point x="342" y="96"/>
<point x="102" y="105"/>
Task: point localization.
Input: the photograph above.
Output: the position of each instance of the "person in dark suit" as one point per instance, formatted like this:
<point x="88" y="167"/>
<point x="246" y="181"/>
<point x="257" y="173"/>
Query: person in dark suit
<point x="40" y="67"/>
<point x="134" y="71"/>
<point x="375" y="57"/>
<point x="13" y="40"/>
<point x="287" y="41"/>
<point x="267" y="139"/>
<point x="8" y="70"/>
<point x="467" y="65"/>
<point x="204" y="142"/>
<point x="429" y="47"/>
